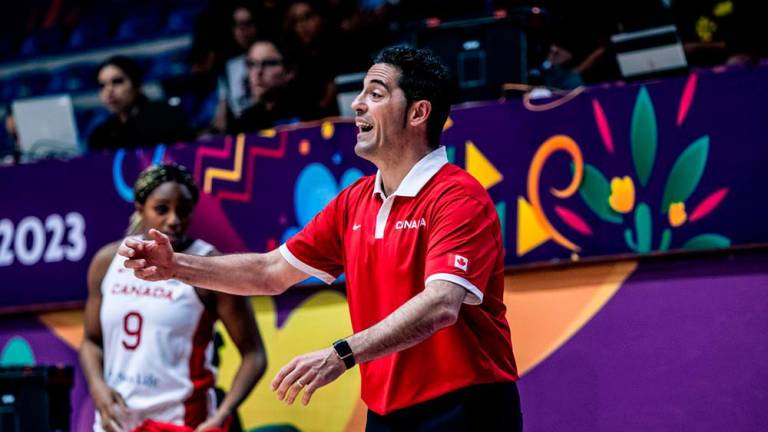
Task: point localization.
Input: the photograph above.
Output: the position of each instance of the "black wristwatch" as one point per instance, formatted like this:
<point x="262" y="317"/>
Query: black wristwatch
<point x="344" y="352"/>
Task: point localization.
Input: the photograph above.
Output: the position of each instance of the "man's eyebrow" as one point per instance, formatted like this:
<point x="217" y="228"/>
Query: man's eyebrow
<point x="380" y="82"/>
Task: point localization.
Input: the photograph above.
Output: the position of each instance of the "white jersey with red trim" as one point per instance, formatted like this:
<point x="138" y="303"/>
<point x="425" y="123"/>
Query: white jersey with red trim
<point x="157" y="339"/>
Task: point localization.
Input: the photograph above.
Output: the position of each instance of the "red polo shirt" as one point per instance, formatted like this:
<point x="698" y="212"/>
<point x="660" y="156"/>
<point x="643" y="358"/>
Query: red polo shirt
<point x="440" y="224"/>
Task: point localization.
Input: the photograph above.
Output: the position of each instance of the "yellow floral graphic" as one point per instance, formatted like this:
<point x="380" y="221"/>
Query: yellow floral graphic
<point x="677" y="215"/>
<point x="622" y="197"/>
<point x="723" y="9"/>
<point x="705" y="29"/>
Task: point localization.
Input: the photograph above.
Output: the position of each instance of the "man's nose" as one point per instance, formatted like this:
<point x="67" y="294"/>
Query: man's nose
<point x="357" y="105"/>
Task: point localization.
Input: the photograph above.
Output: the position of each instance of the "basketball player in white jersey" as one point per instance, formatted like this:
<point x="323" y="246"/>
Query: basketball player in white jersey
<point x="148" y="345"/>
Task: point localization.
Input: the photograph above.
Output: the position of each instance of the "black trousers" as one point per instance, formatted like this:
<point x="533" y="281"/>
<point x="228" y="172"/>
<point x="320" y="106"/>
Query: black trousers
<point x="484" y="407"/>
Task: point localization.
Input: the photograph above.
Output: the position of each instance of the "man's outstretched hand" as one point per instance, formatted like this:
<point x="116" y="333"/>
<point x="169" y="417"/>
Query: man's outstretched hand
<point x="152" y="259"/>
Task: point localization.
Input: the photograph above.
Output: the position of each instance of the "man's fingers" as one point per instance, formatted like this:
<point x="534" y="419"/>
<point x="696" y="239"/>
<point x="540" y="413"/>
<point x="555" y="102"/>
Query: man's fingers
<point x="149" y="273"/>
<point x="290" y="384"/>
<point x="284" y="371"/>
<point x="130" y="247"/>
<point x="159" y="237"/>
<point x="133" y="244"/>
<point x="135" y="263"/>
<point x="301" y="380"/>
<point x="125" y="251"/>
<point x="293" y="391"/>
<point x="310" y="390"/>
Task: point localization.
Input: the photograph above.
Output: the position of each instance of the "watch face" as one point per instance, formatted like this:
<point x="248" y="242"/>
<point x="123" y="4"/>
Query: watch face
<point x="344" y="352"/>
<point x="342" y="347"/>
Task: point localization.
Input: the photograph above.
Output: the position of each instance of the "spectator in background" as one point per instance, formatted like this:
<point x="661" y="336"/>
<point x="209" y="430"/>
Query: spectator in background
<point x="135" y="121"/>
<point x="276" y="98"/>
<point x="234" y="95"/>
<point x="319" y="51"/>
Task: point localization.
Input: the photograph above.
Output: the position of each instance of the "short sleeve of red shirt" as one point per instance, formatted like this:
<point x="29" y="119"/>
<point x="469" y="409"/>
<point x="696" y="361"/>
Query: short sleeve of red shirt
<point x="464" y="244"/>
<point x="317" y="249"/>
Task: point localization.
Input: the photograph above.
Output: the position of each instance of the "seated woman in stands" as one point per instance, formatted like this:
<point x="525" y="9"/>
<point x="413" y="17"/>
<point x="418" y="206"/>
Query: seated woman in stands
<point x="135" y="121"/>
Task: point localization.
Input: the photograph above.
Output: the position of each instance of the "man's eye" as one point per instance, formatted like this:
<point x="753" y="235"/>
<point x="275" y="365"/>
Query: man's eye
<point x="161" y="209"/>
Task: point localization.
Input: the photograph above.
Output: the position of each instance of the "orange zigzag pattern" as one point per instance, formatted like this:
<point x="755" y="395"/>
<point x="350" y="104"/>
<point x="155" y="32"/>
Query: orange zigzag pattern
<point x="235" y="174"/>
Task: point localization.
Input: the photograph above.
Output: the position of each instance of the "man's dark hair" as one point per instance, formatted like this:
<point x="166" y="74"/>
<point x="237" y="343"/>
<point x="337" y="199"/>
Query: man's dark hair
<point x="422" y="77"/>
<point x="129" y="66"/>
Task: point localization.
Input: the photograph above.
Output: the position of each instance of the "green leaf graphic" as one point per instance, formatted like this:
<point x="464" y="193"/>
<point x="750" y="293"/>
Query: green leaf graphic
<point x="686" y="173"/>
<point x="707" y="241"/>
<point x="595" y="191"/>
<point x="666" y="239"/>
<point x="643" y="227"/>
<point x="451" y="153"/>
<point x="501" y="210"/>
<point x="630" y="240"/>
<point x="643" y="138"/>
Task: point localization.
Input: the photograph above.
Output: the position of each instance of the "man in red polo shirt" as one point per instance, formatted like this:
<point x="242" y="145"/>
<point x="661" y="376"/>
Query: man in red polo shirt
<point x="421" y="246"/>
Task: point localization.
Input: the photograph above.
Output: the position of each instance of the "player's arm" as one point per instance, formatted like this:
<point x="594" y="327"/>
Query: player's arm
<point x="239" y="274"/>
<point x="236" y="314"/>
<point x="91" y="350"/>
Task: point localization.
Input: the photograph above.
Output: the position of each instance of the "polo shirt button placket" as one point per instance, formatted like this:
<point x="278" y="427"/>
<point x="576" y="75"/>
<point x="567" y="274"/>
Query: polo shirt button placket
<point x="383" y="215"/>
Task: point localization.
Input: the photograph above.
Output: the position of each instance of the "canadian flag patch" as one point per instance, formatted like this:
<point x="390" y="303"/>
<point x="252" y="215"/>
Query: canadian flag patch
<point x="460" y="262"/>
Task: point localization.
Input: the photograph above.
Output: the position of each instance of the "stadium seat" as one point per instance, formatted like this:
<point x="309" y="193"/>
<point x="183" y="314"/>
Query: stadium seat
<point x="42" y="42"/>
<point x="29" y="84"/>
<point x="73" y="78"/>
<point x="8" y="86"/>
<point x="90" y="32"/>
<point x="169" y="64"/>
<point x="138" y="27"/>
<point x="182" y="20"/>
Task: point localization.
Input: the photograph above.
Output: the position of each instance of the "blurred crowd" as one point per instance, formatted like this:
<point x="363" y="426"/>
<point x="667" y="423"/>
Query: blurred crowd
<point x="261" y="63"/>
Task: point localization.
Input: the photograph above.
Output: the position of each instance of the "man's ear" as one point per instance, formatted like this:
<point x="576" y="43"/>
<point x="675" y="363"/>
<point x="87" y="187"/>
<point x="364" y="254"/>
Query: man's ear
<point x="419" y="112"/>
<point x="139" y="207"/>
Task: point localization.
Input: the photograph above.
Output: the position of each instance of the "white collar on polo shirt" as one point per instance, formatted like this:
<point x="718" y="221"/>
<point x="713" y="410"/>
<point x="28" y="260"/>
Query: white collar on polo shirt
<point x="418" y="176"/>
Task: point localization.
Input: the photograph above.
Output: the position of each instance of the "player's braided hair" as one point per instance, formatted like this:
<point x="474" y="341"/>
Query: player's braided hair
<point x="154" y="176"/>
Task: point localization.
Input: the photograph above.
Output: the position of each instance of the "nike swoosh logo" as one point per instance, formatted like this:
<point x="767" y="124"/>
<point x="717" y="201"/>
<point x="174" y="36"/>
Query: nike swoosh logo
<point x="356" y="227"/>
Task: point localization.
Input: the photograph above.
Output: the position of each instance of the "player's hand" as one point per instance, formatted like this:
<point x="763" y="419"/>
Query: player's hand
<point x="308" y="372"/>
<point x="111" y="407"/>
<point x="150" y="260"/>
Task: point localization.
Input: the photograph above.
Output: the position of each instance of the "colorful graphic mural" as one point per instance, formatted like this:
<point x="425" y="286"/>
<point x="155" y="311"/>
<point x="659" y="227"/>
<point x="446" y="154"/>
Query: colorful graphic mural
<point x="614" y="201"/>
<point x="667" y="165"/>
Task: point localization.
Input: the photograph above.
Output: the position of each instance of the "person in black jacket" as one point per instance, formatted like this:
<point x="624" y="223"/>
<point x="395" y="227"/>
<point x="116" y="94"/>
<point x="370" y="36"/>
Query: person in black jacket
<point x="277" y="96"/>
<point x="135" y="121"/>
